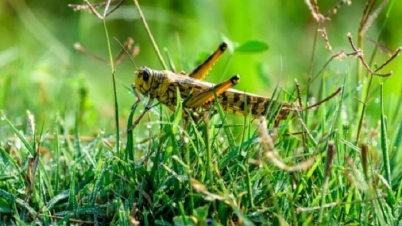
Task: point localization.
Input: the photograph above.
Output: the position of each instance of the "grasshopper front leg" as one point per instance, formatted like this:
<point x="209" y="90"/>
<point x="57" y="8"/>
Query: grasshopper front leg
<point x="147" y="107"/>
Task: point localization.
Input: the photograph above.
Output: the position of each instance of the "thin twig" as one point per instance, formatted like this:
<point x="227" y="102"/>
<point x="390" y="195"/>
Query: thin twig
<point x="325" y="99"/>
<point x="93" y="10"/>
<point x="150" y="35"/>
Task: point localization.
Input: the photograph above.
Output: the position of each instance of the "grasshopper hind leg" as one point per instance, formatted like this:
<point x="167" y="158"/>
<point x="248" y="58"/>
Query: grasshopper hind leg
<point x="206" y="96"/>
<point x="202" y="70"/>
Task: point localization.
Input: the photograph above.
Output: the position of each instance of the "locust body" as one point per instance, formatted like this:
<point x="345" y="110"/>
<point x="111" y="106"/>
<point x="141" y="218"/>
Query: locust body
<point x="199" y="96"/>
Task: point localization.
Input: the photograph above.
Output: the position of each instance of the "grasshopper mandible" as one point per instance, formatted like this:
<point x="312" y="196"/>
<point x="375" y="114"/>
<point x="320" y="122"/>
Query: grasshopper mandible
<point x="200" y="95"/>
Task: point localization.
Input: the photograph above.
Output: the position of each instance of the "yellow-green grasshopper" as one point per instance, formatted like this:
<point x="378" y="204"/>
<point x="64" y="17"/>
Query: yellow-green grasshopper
<point x="200" y="95"/>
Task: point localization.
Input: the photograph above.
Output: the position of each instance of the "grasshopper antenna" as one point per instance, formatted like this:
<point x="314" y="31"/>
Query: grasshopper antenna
<point x="127" y="46"/>
<point x="129" y="42"/>
<point x="171" y="64"/>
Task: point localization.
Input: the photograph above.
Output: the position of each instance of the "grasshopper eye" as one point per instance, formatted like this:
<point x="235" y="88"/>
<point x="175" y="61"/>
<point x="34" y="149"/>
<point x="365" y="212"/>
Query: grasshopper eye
<point x="145" y="75"/>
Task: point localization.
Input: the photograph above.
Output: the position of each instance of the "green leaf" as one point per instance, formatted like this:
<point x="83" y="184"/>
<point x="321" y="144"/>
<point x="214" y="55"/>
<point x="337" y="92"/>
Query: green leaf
<point x="183" y="221"/>
<point x="252" y="46"/>
<point x="4" y="206"/>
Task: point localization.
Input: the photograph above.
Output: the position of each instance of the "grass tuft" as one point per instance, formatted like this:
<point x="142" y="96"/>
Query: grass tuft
<point x="335" y="163"/>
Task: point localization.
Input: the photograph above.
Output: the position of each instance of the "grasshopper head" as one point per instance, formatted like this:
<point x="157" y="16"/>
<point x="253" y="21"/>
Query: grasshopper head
<point x="143" y="80"/>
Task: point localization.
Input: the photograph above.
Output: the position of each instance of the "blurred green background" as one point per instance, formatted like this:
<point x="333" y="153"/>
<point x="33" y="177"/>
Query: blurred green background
<point x="41" y="71"/>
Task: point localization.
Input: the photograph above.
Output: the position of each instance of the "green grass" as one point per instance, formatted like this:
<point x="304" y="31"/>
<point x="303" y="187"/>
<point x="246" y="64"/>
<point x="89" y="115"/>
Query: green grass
<point x="71" y="161"/>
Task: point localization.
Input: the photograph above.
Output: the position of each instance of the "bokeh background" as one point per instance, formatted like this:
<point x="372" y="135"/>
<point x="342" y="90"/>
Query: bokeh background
<point x="42" y="72"/>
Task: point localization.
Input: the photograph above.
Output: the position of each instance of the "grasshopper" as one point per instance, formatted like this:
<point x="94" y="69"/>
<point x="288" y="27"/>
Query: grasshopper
<point x="199" y="95"/>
